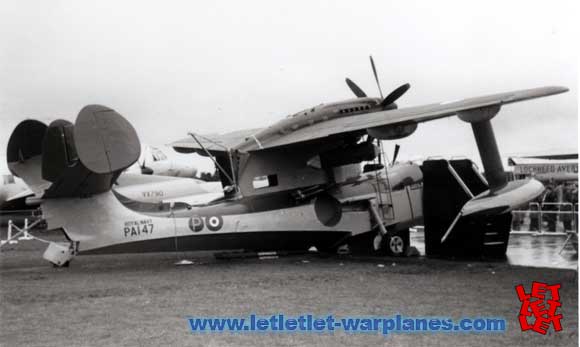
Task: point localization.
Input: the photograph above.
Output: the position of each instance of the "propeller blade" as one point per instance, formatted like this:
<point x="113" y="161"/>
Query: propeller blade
<point x="355" y="89"/>
<point x="376" y="76"/>
<point x="397" y="147"/>
<point x="395" y="94"/>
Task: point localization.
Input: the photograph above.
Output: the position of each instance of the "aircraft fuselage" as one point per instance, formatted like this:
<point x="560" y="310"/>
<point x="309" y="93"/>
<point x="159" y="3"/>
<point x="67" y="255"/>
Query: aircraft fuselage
<point x="272" y="222"/>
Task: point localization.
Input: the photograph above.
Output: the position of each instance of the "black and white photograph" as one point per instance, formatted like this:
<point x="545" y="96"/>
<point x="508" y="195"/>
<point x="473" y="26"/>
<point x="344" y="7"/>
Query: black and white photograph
<point x="299" y="173"/>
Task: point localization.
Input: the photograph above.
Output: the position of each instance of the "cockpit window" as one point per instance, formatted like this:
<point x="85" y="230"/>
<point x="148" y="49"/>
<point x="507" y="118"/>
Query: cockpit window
<point x="157" y="154"/>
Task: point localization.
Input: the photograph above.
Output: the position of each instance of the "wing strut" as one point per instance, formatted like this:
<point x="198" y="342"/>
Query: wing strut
<point x="480" y="120"/>
<point x="222" y="170"/>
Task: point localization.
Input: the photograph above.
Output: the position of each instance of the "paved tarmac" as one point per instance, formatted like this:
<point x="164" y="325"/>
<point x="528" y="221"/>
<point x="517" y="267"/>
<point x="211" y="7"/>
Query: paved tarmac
<point x="528" y="249"/>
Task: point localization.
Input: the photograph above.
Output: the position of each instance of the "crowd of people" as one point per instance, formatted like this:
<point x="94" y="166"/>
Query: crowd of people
<point x="557" y="203"/>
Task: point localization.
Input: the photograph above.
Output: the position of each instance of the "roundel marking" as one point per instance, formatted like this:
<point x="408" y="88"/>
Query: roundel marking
<point x="196" y="224"/>
<point x="214" y="223"/>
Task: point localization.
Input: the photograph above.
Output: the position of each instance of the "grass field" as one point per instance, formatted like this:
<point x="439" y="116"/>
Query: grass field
<point x="143" y="300"/>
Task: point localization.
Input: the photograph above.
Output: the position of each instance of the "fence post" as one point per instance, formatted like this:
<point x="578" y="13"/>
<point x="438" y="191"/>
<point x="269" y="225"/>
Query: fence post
<point x="535" y="215"/>
<point x="26" y="235"/>
<point x="10" y="226"/>
<point x="575" y="216"/>
<point x="8" y="235"/>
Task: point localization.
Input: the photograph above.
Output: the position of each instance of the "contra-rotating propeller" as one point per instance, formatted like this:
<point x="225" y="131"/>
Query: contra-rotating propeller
<point x="389" y="101"/>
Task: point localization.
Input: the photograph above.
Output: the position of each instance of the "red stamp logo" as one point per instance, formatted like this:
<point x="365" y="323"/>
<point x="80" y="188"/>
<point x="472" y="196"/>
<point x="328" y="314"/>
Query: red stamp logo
<point x="539" y="307"/>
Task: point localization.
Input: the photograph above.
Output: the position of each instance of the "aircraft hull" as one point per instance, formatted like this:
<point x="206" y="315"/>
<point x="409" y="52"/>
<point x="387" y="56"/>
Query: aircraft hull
<point x="251" y="241"/>
<point x="102" y="224"/>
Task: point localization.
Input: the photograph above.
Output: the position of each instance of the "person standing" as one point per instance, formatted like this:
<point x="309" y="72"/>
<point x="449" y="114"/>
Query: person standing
<point x="567" y="208"/>
<point x="574" y="201"/>
<point x="535" y="207"/>
<point x="550" y="208"/>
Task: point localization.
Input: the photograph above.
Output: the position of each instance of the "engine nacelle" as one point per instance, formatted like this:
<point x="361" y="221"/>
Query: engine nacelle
<point x="392" y="132"/>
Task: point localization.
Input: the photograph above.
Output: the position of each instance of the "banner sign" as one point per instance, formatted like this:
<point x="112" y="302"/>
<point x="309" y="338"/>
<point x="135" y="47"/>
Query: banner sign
<point x="555" y="170"/>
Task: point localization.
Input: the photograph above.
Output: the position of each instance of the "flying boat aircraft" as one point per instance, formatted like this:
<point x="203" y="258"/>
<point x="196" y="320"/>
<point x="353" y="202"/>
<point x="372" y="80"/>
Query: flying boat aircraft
<point x="295" y="184"/>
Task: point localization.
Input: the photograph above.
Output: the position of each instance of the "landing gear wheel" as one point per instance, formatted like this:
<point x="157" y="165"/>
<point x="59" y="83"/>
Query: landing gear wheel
<point x="397" y="244"/>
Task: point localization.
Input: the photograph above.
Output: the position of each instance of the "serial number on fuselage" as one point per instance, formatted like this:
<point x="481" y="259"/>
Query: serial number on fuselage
<point x="153" y="194"/>
<point x="139" y="227"/>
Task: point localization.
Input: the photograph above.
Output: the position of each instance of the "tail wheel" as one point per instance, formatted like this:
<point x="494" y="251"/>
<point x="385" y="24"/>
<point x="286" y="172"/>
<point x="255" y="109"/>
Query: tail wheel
<point x="65" y="264"/>
<point x="326" y="250"/>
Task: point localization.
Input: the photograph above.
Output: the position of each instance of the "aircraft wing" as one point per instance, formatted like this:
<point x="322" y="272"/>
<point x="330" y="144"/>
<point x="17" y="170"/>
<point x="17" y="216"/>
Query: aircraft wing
<point x="416" y="114"/>
<point x="214" y="142"/>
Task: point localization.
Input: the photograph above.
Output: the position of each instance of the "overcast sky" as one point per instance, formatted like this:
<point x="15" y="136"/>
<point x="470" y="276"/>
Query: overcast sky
<point x="216" y="66"/>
